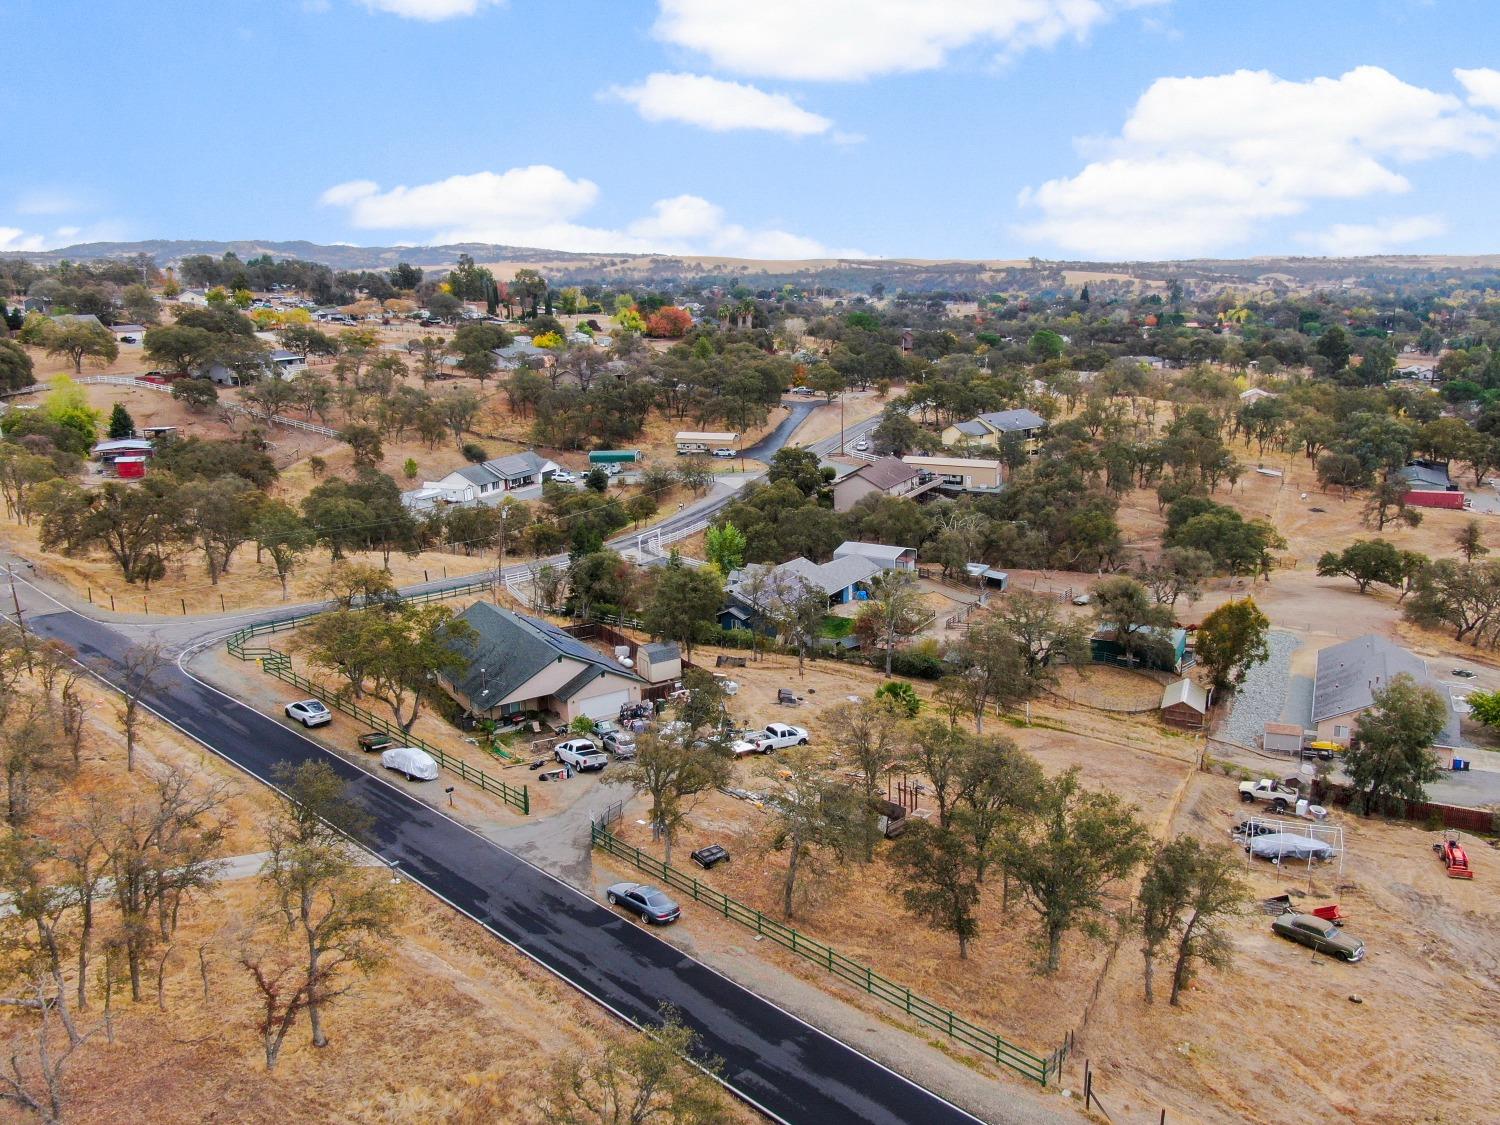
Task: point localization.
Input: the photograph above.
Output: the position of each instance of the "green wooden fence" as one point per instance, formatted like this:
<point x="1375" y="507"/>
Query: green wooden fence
<point x="277" y="663"/>
<point x="1023" y="1062"/>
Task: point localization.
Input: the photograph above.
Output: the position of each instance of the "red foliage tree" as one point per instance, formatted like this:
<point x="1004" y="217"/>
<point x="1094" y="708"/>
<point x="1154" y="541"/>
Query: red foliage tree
<point x="669" y="322"/>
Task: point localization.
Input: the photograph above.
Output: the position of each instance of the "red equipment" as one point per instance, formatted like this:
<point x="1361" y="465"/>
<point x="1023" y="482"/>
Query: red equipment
<point x="1455" y="859"/>
<point x="1331" y="914"/>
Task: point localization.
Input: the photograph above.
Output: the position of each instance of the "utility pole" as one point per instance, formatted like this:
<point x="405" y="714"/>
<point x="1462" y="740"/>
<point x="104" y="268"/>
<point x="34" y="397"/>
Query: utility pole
<point x="500" y="573"/>
<point x="10" y="569"/>
<point x="841" y="423"/>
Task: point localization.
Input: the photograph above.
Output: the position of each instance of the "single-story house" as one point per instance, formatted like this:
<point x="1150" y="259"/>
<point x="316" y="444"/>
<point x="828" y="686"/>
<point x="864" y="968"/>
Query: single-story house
<point x="989" y="429"/>
<point x="1350" y="673"/>
<point x="196" y="297"/>
<point x="1430" y="486"/>
<point x="1185" y="704"/>
<point x="751" y="588"/>
<point x="128" y="333"/>
<point x="884" y="555"/>
<point x="1162" y="649"/>
<point x="514" y="663"/>
<point x="521" y="352"/>
<point x="964" y="474"/>
<point x="36" y="304"/>
<point x="490" y="479"/>
<point x="659" y="662"/>
<point x="886" y="476"/>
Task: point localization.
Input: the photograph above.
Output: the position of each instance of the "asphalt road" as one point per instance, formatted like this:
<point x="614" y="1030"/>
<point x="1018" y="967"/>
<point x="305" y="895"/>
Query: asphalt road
<point x="786" y="1068"/>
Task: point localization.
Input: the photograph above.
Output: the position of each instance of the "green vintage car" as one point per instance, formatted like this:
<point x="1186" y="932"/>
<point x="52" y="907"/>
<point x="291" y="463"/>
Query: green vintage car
<point x="1320" y="934"/>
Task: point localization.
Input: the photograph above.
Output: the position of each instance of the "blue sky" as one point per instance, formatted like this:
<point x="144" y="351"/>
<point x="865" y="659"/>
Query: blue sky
<point x="778" y="128"/>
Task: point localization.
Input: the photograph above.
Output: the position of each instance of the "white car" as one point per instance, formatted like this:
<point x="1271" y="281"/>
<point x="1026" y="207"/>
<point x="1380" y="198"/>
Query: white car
<point x="861" y="445"/>
<point x="562" y="476"/>
<point x="416" y="764"/>
<point x="309" y="712"/>
<point x="581" y="754"/>
<point x="724" y="453"/>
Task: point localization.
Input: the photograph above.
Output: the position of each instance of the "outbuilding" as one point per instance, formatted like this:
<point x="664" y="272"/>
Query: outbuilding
<point x="1185" y="704"/>
<point x="659" y="663"/>
<point x="1282" y="738"/>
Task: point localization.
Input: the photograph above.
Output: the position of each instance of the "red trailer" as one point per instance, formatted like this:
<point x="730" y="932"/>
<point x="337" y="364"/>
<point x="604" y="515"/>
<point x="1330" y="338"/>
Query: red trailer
<point x="130" y="468"/>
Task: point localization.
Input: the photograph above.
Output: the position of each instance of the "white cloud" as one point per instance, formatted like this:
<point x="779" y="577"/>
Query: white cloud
<point x="1346" y="240"/>
<point x="840" y="40"/>
<point x="1482" y="86"/>
<point x="1201" y="163"/>
<point x="14" y="238"/>
<point x="429" y="10"/>
<point x="539" y="205"/>
<point x="712" y="103"/>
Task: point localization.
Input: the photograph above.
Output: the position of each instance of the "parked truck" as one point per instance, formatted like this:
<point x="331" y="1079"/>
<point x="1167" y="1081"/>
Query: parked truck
<point x="1281" y="795"/>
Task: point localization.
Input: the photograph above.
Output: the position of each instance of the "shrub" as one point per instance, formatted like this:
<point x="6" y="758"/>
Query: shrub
<point x="475" y="453"/>
<point x="914" y="665"/>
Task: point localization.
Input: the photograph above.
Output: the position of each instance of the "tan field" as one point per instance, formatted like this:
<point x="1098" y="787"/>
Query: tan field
<point x="454" y="1026"/>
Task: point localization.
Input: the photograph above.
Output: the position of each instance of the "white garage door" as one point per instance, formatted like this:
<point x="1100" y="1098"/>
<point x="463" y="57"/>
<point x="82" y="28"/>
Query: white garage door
<point x="604" y="706"/>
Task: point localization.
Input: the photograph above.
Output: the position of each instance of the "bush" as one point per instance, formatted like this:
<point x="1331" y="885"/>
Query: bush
<point x="475" y="453"/>
<point x="914" y="665"/>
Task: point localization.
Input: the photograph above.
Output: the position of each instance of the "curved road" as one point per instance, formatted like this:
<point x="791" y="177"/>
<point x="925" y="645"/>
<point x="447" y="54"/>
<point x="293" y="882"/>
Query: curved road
<point x="784" y="1067"/>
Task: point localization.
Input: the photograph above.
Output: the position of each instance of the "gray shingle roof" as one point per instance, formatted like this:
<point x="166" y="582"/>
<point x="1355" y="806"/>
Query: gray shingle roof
<point x="515" y="465"/>
<point x="830" y="578"/>
<point x="887" y="552"/>
<point x="972" y="428"/>
<point x="477" y="474"/>
<point x="1350" y="673"/>
<point x="661" y="650"/>
<point x="1013" y="421"/>
<point x="509" y="648"/>
<point x="1423" y="475"/>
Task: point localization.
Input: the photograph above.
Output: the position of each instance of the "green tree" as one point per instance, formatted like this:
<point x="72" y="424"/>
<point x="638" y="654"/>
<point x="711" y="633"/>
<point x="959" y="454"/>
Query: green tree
<point x="390" y="653"/>
<point x="1187" y="894"/>
<point x="1063" y="859"/>
<point x="1387" y="504"/>
<point x="673" y="772"/>
<point x="1230" y="641"/>
<point x="811" y="815"/>
<point x="279" y="532"/>
<point x="1333" y="345"/>
<point x="684" y="603"/>
<point x="196" y="394"/>
<point x="1470" y="540"/>
<point x="79" y="340"/>
<point x="1046" y="344"/>
<point x="121" y="424"/>
<point x="1124" y="605"/>
<point x="938" y="880"/>
<point x="1391" y="755"/>
<point x="1046" y="636"/>
<point x="724" y="545"/>
<point x="1486" y="707"/>
<point x="896" y="612"/>
<point x="1367" y="561"/>
<point x="16" y="370"/>
<point x="133" y="523"/>
<point x="997" y="785"/>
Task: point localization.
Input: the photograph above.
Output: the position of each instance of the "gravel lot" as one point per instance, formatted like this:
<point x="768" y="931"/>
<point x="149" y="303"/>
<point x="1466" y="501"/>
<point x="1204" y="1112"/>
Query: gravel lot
<point x="1264" y="694"/>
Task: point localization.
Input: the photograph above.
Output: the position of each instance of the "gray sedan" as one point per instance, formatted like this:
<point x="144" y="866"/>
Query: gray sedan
<point x="651" y="904"/>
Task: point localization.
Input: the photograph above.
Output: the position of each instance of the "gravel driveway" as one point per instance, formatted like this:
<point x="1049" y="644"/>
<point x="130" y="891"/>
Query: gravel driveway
<point x="1263" y="695"/>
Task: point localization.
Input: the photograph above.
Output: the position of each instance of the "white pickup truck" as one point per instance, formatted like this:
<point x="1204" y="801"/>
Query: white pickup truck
<point x="581" y="754"/>
<point x="775" y="736"/>
<point x="1280" y="795"/>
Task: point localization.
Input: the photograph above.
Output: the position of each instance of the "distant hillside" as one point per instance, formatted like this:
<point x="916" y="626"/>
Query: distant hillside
<point x="849" y="274"/>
